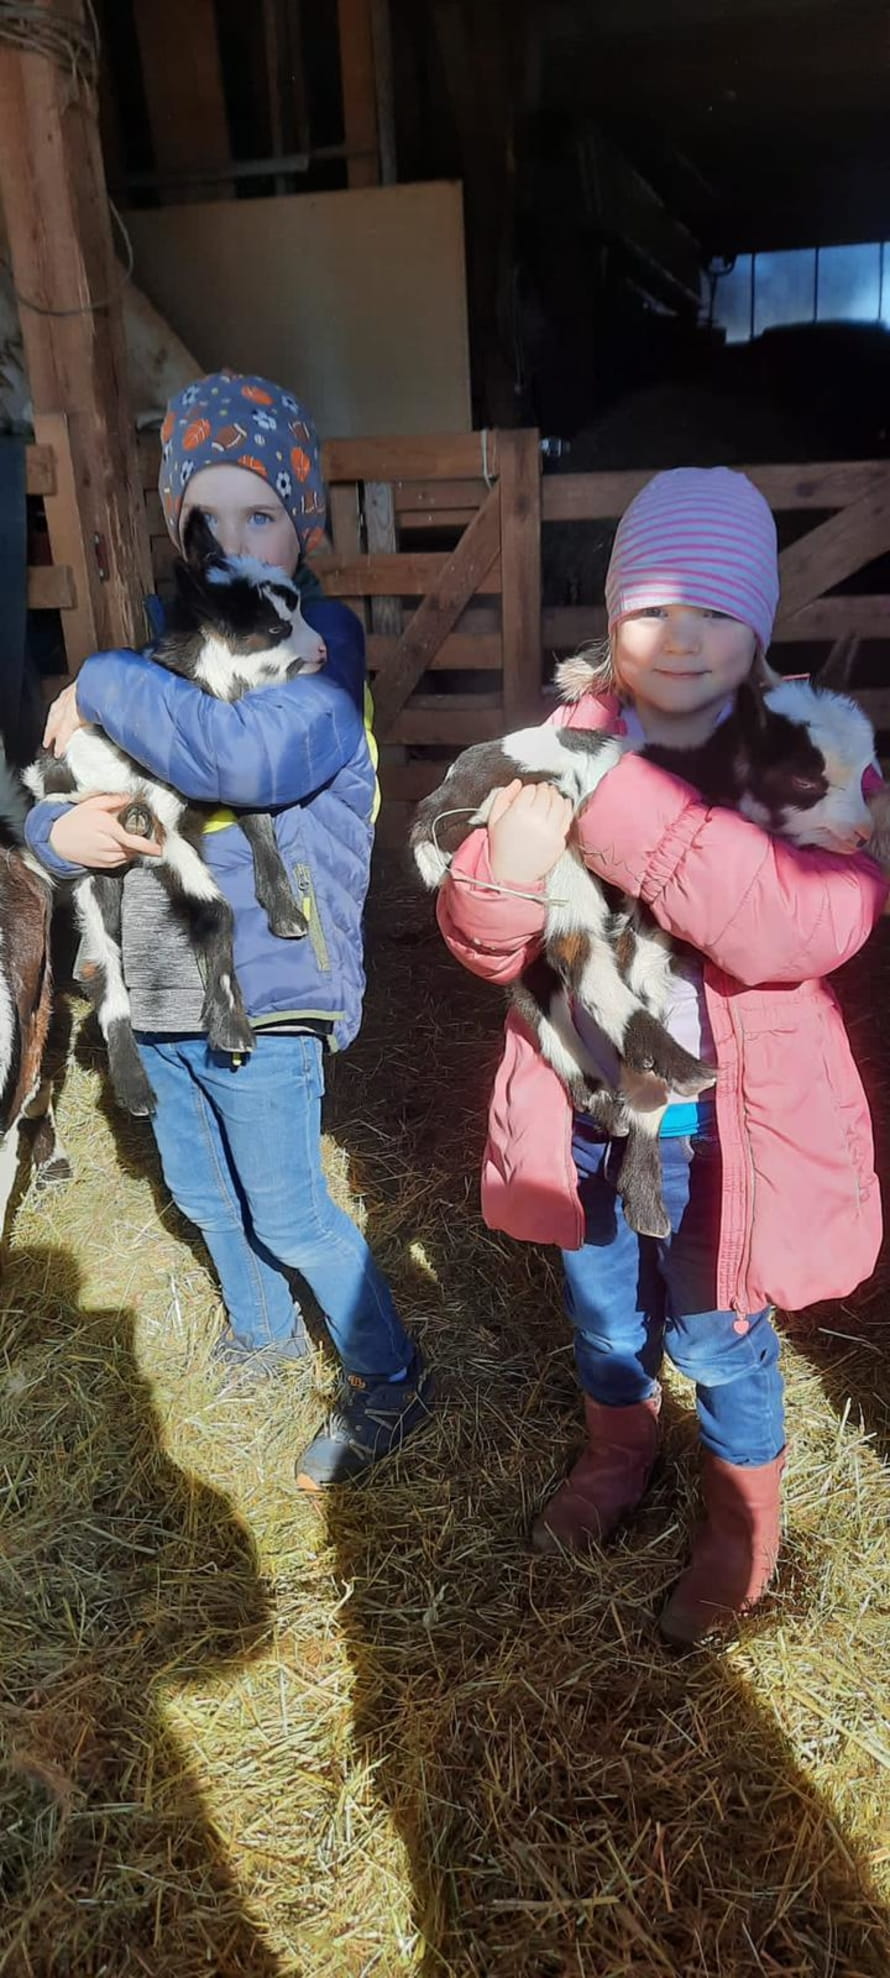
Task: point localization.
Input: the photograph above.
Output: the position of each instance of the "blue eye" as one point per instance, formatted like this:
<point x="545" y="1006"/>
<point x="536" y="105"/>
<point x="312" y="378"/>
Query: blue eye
<point x="259" y="518"/>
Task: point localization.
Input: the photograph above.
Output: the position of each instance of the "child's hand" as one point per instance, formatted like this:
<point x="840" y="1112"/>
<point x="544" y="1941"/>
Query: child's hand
<point x="91" y="834"/>
<point x="528" y="826"/>
<point x="62" y="722"/>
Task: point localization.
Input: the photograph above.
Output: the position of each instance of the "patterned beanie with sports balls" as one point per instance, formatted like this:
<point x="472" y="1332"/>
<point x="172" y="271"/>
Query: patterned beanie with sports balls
<point x="230" y="420"/>
<point x="702" y="536"/>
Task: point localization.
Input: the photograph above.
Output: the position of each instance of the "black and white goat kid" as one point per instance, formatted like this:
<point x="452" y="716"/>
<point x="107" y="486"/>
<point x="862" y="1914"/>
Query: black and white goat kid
<point x="793" y="760"/>
<point x="235" y="625"/>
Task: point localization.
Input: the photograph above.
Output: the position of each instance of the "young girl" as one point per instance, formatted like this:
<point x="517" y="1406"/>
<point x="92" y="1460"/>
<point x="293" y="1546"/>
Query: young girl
<point x="241" y="1148"/>
<point x="770" y="1186"/>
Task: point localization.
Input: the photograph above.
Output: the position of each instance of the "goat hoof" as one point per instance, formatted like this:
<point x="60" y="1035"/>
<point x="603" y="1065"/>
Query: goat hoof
<point x="232" y="1034"/>
<point x="289" y="924"/>
<point x="648" y="1222"/>
<point x="138" y="820"/>
<point x="697" y="1083"/>
<point x="135" y="1096"/>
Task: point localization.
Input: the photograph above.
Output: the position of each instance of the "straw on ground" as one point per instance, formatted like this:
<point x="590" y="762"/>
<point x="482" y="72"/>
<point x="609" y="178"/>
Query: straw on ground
<point x="243" y="1735"/>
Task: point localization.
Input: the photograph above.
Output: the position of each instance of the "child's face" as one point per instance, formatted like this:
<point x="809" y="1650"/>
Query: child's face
<point x="245" y="514"/>
<point x="679" y="659"/>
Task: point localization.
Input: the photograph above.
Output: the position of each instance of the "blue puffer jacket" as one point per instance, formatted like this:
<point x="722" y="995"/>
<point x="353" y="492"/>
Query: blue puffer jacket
<point x="300" y="751"/>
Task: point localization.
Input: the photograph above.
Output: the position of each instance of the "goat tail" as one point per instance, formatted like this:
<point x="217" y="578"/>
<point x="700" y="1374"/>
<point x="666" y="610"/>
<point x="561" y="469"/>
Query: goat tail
<point x="15" y="802"/>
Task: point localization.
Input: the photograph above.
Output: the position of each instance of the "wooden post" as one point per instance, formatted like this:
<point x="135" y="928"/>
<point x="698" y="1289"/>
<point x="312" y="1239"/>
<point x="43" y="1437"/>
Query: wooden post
<point x="66" y="539"/>
<point x="386" y="613"/>
<point x="346" y="532"/>
<point x="179" y="50"/>
<point x="384" y="86"/>
<point x="519" y="455"/>
<point x="63" y="263"/>
<point x="359" y="90"/>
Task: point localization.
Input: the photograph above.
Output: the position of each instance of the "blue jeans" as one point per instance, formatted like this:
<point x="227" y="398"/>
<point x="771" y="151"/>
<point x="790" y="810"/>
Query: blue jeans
<point x="631" y="1298"/>
<point x="241" y="1154"/>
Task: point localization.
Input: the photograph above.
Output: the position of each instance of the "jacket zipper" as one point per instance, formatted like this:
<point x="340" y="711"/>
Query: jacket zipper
<point x="309" y="904"/>
<point x="739" y="1304"/>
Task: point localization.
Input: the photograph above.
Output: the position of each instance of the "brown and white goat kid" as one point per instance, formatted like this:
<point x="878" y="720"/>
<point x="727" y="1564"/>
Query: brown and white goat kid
<point x="797" y="760"/>
<point x="25" y="997"/>
<point x="235" y="625"/>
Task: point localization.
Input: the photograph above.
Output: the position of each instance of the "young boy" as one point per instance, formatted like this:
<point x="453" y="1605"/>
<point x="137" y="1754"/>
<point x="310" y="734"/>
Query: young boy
<point x="241" y="1149"/>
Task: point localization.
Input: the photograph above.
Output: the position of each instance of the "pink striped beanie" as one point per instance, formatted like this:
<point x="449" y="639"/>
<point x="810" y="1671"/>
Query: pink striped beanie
<point x="702" y="536"/>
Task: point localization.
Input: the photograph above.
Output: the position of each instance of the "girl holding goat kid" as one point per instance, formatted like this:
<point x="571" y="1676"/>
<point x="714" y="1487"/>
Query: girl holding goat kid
<point x="768" y="1181"/>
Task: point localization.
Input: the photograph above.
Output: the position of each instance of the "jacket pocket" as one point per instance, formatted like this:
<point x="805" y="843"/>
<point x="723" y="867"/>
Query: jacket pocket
<point x="849" y="1102"/>
<point x="305" y="892"/>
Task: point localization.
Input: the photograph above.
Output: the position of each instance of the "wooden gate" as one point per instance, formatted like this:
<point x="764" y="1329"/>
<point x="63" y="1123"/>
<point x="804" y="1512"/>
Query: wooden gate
<point x="436" y="544"/>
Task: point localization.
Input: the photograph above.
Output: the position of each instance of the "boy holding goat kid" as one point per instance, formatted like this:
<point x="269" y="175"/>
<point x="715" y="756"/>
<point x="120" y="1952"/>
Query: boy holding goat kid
<point x="240" y="1140"/>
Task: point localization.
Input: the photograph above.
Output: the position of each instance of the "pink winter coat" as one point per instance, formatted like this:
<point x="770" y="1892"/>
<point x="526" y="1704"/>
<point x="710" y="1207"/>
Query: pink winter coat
<point x="801" y="1209"/>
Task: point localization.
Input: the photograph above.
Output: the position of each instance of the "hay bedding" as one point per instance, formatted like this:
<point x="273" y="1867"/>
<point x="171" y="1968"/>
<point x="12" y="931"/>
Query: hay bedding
<point x="245" y="1737"/>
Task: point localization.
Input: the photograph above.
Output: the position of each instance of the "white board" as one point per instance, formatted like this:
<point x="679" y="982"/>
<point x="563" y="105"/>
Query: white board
<point x="356" y="301"/>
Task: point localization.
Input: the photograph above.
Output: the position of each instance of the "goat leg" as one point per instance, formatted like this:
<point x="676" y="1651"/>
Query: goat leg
<point x="48" y="1156"/>
<point x="98" y="901"/>
<point x="639" y="1182"/>
<point x="211" y="925"/>
<point x="273" y="888"/>
<point x="212" y="928"/>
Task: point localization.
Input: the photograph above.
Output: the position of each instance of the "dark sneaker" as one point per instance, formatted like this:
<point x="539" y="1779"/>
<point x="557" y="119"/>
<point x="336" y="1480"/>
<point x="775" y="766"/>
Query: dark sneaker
<point x="234" y="1355"/>
<point x="370" y="1419"/>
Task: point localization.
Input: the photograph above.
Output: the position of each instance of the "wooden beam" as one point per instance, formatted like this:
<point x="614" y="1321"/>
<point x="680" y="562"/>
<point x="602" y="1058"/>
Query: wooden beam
<point x="413" y="498"/>
<point x="408" y="574"/>
<point x="864" y="617"/>
<point x="605" y="496"/>
<point x="520" y="491"/>
<point x="422" y="457"/>
<point x="354" y="20"/>
<point x="343" y="505"/>
<point x="59" y="233"/>
<point x="384" y="83"/>
<point x="457" y="580"/>
<point x="429" y="458"/>
<point x="65" y="530"/>
<point x="40" y="470"/>
<point x="476" y="652"/>
<point x="380" y="527"/>
<point x="181" y="70"/>
<point x="51" y="587"/>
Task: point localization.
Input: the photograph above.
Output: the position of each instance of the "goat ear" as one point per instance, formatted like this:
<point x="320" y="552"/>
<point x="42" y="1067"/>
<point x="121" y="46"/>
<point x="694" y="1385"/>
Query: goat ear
<point x="199" y="542"/>
<point x="840" y="664"/>
<point x="751" y="711"/>
<point x="191" y="591"/>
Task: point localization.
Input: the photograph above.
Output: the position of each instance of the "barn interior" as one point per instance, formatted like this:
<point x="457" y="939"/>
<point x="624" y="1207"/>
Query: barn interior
<point x="619" y="168"/>
<point x="526" y="251"/>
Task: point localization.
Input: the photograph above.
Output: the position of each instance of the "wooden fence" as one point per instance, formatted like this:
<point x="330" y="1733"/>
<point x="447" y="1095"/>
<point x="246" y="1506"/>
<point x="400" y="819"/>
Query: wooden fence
<point x="436" y="544"/>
